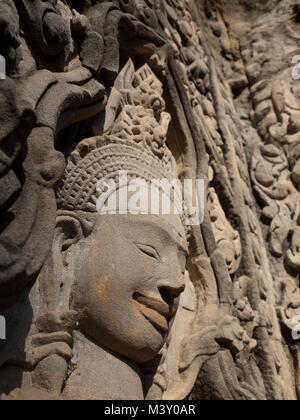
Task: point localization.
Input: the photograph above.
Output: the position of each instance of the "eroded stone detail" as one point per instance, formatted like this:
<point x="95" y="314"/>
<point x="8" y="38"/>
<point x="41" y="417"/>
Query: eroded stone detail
<point x="174" y="88"/>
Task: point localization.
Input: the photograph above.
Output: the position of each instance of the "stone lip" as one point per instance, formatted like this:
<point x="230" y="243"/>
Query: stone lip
<point x="155" y="311"/>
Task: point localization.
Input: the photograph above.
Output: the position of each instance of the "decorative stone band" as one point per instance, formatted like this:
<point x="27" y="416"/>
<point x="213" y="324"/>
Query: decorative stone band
<point x="90" y="171"/>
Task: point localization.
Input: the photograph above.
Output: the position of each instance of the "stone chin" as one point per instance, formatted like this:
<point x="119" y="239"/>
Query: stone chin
<point x="135" y="339"/>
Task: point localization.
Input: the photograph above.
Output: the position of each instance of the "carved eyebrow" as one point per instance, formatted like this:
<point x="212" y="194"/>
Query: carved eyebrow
<point x="148" y="250"/>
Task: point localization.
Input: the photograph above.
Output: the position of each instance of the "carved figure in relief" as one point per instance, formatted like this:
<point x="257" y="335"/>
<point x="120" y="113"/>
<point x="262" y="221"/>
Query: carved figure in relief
<point x="109" y="293"/>
<point x="228" y="239"/>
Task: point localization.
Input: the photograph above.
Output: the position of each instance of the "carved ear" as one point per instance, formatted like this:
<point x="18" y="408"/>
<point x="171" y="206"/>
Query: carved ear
<point x="71" y="228"/>
<point x="68" y="231"/>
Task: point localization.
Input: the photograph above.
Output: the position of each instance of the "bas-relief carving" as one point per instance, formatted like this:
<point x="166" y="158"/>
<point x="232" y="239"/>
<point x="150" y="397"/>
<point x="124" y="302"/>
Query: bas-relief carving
<point x="275" y="113"/>
<point x="227" y="238"/>
<point x="94" y="298"/>
<point x="274" y="98"/>
<point x="156" y="72"/>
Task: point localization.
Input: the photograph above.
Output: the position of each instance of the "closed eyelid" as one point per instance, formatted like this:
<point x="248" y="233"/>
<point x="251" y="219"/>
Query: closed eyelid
<point x="149" y="250"/>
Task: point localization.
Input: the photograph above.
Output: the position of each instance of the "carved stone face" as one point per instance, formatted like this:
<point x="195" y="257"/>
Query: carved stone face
<point x="129" y="276"/>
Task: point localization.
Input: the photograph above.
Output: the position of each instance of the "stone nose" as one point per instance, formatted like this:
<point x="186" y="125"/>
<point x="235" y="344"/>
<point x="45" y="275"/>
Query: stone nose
<point x="170" y="290"/>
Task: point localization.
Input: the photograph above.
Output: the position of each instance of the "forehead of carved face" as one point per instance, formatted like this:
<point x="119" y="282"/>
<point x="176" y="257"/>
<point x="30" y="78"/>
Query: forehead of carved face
<point x="129" y="276"/>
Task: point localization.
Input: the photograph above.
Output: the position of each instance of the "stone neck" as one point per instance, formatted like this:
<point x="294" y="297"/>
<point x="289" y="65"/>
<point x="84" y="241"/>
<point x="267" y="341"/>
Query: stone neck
<point x="98" y="374"/>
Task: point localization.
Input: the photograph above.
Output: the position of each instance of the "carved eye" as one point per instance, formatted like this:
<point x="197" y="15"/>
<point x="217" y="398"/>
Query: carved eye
<point x="148" y="250"/>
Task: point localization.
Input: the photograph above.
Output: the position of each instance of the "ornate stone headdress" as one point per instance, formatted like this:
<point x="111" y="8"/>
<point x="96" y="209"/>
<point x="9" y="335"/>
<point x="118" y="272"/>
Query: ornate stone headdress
<point x="133" y="141"/>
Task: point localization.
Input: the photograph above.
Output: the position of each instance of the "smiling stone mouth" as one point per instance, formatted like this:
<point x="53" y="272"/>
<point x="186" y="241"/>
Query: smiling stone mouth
<point x="155" y="311"/>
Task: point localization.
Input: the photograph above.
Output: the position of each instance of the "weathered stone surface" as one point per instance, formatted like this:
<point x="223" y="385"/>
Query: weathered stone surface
<point x="133" y="306"/>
